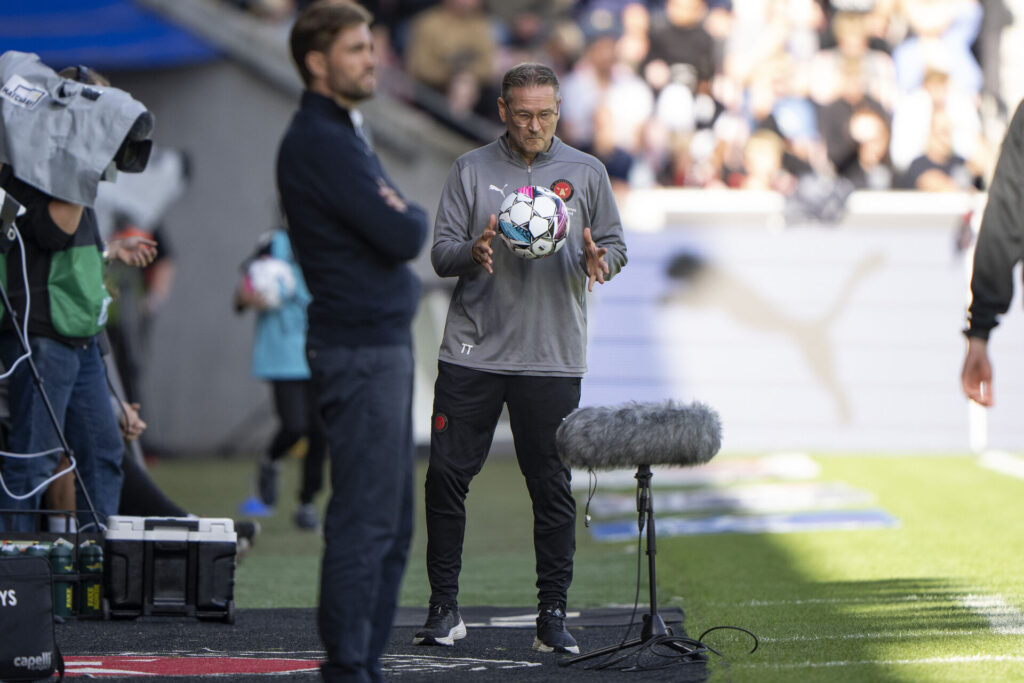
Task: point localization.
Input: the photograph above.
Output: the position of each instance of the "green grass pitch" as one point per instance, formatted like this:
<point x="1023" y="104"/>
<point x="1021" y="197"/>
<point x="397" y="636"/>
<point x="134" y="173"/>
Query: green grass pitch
<point x="938" y="598"/>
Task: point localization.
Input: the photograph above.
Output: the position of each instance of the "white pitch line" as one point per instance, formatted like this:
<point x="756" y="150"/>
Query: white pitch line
<point x="923" y="598"/>
<point x="1003" y="618"/>
<point x="1003" y="462"/>
<point x="877" y="635"/>
<point x="951" y="659"/>
<point x="816" y="601"/>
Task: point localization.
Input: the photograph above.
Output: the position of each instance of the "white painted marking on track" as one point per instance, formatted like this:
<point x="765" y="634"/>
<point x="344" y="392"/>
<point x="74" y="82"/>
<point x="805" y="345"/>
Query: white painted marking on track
<point x="402" y="664"/>
<point x="528" y="620"/>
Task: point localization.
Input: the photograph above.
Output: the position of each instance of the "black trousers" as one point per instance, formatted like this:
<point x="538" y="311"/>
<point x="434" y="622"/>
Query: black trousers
<point x="295" y="402"/>
<point x="467" y="405"/>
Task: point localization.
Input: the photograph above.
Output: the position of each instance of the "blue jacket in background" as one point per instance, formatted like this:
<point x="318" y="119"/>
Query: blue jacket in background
<point x="279" y="349"/>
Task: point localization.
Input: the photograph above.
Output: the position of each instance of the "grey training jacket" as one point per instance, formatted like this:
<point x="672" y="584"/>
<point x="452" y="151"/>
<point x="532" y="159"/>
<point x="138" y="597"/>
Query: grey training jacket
<point x="530" y="316"/>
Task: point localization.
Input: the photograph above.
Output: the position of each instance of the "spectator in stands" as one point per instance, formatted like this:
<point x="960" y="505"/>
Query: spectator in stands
<point x="771" y="105"/>
<point x="762" y="165"/>
<point x="680" y="46"/>
<point x="834" y="116"/>
<point x="875" y="67"/>
<point x="634" y="43"/>
<point x="937" y="93"/>
<point x="942" y="31"/>
<point x="452" y="49"/>
<point x="653" y="160"/>
<point x="279" y="357"/>
<point x="599" y="80"/>
<point x="883" y="21"/>
<point x="355" y="259"/>
<point x="939" y="169"/>
<point x="870" y="168"/>
<point x="524" y="24"/>
<point x="617" y="161"/>
<point x="996" y="255"/>
<point x="562" y="46"/>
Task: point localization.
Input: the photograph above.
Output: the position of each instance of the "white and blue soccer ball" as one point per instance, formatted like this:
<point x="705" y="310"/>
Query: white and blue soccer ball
<point x="533" y="222"/>
<point x="272" y="278"/>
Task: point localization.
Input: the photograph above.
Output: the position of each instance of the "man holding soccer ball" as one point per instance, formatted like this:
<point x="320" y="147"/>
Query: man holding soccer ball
<point x="515" y="335"/>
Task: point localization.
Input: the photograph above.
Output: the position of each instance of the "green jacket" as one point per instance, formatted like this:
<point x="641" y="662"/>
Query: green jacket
<point x="68" y="299"/>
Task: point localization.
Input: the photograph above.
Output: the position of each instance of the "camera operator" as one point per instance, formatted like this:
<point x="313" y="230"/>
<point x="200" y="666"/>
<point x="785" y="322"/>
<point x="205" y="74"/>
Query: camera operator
<point x="64" y="259"/>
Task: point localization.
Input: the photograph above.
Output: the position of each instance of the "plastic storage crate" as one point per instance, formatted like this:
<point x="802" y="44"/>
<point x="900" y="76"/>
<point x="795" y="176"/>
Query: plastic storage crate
<point x="172" y="566"/>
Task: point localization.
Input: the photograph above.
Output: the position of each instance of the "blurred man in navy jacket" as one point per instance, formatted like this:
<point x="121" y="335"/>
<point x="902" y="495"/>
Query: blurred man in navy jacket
<point x="354" y="235"/>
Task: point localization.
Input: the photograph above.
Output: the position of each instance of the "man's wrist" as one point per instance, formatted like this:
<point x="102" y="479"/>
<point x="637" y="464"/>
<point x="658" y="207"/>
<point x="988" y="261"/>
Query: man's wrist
<point x="975" y="334"/>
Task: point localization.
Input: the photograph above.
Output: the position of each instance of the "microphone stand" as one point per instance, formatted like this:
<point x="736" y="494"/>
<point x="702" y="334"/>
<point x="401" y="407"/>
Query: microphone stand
<point x="654" y="626"/>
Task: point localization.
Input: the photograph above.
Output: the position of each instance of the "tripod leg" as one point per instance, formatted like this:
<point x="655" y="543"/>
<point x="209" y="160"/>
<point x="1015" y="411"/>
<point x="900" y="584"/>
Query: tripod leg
<point x="604" y="651"/>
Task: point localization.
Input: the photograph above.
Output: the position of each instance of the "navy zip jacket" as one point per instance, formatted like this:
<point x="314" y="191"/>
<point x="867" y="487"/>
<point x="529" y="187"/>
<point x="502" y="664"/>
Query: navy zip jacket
<point x="354" y="249"/>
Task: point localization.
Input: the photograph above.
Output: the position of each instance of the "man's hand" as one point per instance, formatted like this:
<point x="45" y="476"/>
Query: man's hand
<point x="131" y="424"/>
<point x="135" y="250"/>
<point x="596" y="266"/>
<point x="246" y="297"/>
<point x="391" y="196"/>
<point x="482" y="247"/>
<point x="976" y="376"/>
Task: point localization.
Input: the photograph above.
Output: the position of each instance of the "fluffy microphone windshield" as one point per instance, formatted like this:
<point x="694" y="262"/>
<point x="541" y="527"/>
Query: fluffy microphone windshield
<point x="636" y="434"/>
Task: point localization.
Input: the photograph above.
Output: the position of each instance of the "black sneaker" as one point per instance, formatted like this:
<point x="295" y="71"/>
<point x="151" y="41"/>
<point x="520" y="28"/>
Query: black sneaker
<point x="444" y="626"/>
<point x="306" y="517"/>
<point x="551" y="633"/>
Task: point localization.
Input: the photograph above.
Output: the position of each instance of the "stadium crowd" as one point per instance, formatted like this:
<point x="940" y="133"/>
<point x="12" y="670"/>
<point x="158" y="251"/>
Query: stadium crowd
<point x="753" y="94"/>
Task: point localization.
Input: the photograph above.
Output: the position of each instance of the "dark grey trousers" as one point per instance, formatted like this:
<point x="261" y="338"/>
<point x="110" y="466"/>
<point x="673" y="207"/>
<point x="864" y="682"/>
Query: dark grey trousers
<point x="365" y="398"/>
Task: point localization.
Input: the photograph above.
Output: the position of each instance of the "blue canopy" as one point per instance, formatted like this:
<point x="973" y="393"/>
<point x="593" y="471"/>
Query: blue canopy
<point x="105" y="34"/>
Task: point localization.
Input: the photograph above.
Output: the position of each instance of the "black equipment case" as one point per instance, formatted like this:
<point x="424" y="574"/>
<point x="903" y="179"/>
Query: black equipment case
<point x="175" y="566"/>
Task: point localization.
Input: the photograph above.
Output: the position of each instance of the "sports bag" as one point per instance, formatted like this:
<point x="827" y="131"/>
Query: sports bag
<point x="28" y="650"/>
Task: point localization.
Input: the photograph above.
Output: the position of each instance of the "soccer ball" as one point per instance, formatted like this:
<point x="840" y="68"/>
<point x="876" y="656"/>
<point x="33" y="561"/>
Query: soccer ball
<point x="271" y="278"/>
<point x="533" y="222"/>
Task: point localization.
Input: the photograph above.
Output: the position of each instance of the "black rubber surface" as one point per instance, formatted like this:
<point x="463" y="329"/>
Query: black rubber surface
<point x="498" y="646"/>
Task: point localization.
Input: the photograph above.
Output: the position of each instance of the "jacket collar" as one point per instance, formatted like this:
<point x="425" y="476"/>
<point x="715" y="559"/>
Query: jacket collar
<point x="325" y="106"/>
<point x="515" y="158"/>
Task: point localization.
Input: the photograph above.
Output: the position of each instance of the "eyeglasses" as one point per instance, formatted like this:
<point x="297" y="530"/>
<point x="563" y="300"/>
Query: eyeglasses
<point x="524" y="118"/>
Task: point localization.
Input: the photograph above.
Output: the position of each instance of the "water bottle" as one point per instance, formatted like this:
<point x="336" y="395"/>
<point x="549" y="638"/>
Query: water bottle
<point x="37" y="549"/>
<point x="62" y="563"/>
<point x="90" y="570"/>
